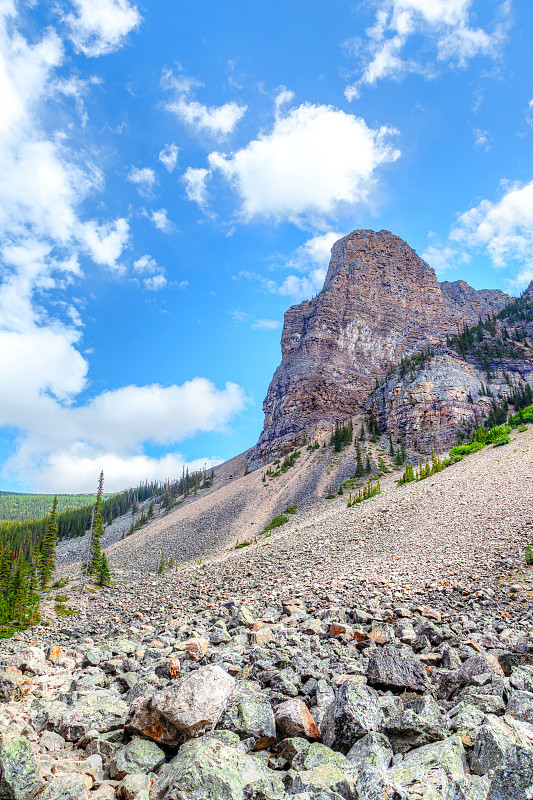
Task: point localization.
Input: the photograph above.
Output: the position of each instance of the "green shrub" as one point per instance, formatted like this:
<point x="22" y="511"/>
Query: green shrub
<point x="503" y="439"/>
<point x="242" y="544"/>
<point x="276" y="522"/>
<point x="524" y="415"/>
<point x="529" y="555"/>
<point x="466" y="449"/>
<point x="497" y="432"/>
<point x="292" y="509"/>
<point x="522" y="428"/>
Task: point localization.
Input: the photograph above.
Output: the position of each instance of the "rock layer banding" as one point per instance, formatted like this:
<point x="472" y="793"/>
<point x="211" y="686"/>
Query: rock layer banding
<point x="380" y="302"/>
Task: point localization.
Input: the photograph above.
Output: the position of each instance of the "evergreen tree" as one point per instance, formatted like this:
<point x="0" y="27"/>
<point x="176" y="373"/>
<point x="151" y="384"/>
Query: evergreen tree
<point x="362" y="433"/>
<point x="368" y="467"/>
<point x="161" y="567"/>
<point x="98" y="531"/>
<point x="48" y="551"/>
<point x="391" y="447"/>
<point x="104" y="576"/>
<point x="359" y="471"/>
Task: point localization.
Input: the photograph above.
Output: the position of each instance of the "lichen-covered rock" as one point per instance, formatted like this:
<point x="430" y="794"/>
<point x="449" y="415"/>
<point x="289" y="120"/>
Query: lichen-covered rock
<point x="513" y="779"/>
<point x="65" y="787"/>
<point x="324" y="782"/>
<point x="521" y="706"/>
<point x="440" y="766"/>
<point x="293" y="719"/>
<point x="389" y="668"/>
<point x="18" y="769"/>
<point x="354" y="713"/>
<point x="102" y="710"/>
<point x="212" y="767"/>
<point x="145" y="720"/>
<point x="494" y="740"/>
<point x="249" y="713"/>
<point x="134" y="787"/>
<point x="137" y="756"/>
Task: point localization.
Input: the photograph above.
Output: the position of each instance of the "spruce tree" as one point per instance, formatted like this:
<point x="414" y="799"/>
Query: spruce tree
<point x="161" y="567"/>
<point x="98" y="530"/>
<point x="359" y="471"/>
<point x="104" y="576"/>
<point x="48" y="551"/>
<point x="391" y="447"/>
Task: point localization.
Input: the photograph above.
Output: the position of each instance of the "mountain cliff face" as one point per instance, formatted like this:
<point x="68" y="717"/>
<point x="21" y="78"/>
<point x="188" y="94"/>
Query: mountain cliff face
<point x="380" y="302"/>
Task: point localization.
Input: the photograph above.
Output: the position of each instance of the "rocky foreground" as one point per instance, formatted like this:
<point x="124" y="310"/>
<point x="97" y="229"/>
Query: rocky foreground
<point x="381" y="652"/>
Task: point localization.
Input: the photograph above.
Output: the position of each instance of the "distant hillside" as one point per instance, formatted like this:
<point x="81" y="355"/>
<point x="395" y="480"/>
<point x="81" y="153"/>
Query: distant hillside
<point x="19" y="506"/>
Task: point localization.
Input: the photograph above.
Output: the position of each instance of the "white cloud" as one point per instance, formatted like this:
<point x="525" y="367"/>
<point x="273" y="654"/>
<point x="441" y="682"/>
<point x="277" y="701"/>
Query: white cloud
<point x="110" y="429"/>
<point x="161" y="221"/>
<point x="195" y="180"/>
<point x="443" y="27"/>
<point x="157" y="279"/>
<point x="266" y="324"/>
<point x="214" y="120"/>
<point x="106" y="242"/>
<point x="440" y="257"/>
<point x="315" y="159"/>
<point x="481" y="140"/>
<point x="169" y="156"/>
<point x="311" y="260"/>
<point x="120" y="472"/>
<point x="101" y="26"/>
<point x="43" y="233"/>
<point x="155" y="283"/>
<point x="144" y="179"/>
<point x="502" y="228"/>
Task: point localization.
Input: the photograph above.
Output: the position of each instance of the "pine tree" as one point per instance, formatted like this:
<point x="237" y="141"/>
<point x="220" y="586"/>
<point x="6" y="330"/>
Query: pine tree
<point x="368" y="467"/>
<point x="391" y="447"/>
<point x="48" y="552"/>
<point x="98" y="530"/>
<point x="161" y="567"/>
<point x="359" y="471"/>
<point x="104" y="576"/>
<point x="362" y="433"/>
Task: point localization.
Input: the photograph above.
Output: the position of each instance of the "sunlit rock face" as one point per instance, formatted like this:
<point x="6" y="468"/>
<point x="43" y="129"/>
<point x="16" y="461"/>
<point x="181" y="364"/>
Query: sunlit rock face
<point x="380" y="301"/>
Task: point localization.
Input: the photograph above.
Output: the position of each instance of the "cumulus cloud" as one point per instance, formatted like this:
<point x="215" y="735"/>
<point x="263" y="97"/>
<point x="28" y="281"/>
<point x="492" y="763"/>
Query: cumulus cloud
<point x="446" y="33"/>
<point x="155" y="282"/>
<point x="169" y="156"/>
<point x="502" y="228"/>
<point x="310" y="260"/>
<point x="110" y="429"/>
<point x="144" y="180"/>
<point x="99" y="27"/>
<point x="161" y="221"/>
<point x="315" y="159"/>
<point x="61" y="435"/>
<point x="195" y="180"/>
<point x="214" y="120"/>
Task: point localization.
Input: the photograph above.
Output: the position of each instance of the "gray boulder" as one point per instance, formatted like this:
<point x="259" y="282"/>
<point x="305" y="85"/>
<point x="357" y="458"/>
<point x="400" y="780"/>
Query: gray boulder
<point x="18" y="769"/>
<point x="354" y="713"/>
<point x="494" y="740"/>
<point x="138" y="756"/>
<point x="513" y="779"/>
<point x="390" y="668"/>
<point x="65" y="787"/>
<point x="440" y="766"/>
<point x="249" y="713"/>
<point x="521" y="706"/>
<point x="213" y="767"/>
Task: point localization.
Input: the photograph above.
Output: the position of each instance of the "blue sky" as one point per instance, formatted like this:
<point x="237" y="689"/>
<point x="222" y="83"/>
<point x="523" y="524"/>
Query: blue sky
<point x="172" y="178"/>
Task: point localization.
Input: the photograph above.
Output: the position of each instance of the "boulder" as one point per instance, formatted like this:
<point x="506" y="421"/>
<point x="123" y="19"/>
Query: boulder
<point x="13" y="685"/>
<point x="138" y="756"/>
<point x="520" y="706"/>
<point x="513" y="779"/>
<point x="249" y="713"/>
<point x="324" y="782"/>
<point x="102" y="710"/>
<point x="494" y="740"/>
<point x="195" y="703"/>
<point x="65" y="787"/>
<point x="145" y="720"/>
<point x="213" y="766"/>
<point x="441" y="766"/>
<point x="390" y="668"/>
<point x="18" y="769"/>
<point x="134" y="787"/>
<point x="195" y="649"/>
<point x="294" y="719"/>
<point x="354" y="713"/>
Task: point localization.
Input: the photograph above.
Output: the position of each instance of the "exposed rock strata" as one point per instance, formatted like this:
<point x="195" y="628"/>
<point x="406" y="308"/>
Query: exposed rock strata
<point x="380" y="301"/>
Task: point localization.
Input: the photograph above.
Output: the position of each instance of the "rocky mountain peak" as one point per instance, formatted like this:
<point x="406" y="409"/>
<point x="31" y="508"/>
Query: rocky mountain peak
<point x="380" y="302"/>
